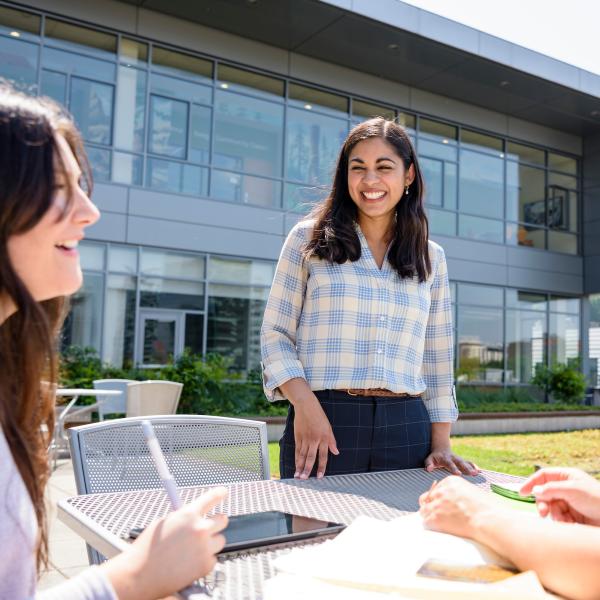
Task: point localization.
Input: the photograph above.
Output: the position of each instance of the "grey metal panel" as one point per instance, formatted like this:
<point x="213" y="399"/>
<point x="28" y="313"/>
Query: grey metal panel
<point x="290" y="219"/>
<point x="591" y="240"/>
<point x="562" y="283"/>
<point x="201" y="238"/>
<point x="110" y="197"/>
<point x="529" y="258"/>
<point x="533" y="132"/>
<point x="495" y="48"/>
<point x="477" y="272"/>
<point x="589" y="83"/>
<point x="448" y="32"/>
<point x="468" y="249"/>
<point x="551" y="69"/>
<point x="175" y="207"/>
<point x="592" y="274"/>
<point x="396" y="14"/>
<point x="112" y="227"/>
<point x="342" y="78"/>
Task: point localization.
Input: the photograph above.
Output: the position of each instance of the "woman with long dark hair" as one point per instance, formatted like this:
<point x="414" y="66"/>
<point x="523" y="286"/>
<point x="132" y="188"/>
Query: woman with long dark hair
<point x="357" y="332"/>
<point x="44" y="209"/>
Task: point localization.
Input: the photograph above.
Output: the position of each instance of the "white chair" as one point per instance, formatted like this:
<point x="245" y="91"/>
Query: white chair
<point x="112" y="404"/>
<point x="112" y="456"/>
<point x="153" y="398"/>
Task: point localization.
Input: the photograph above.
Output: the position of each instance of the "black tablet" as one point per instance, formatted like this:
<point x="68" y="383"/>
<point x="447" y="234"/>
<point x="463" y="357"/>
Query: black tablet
<point x="273" y="527"/>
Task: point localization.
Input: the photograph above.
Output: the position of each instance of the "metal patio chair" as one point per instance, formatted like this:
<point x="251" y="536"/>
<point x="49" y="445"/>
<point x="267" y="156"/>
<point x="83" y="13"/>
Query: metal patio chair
<point x="112" y="456"/>
<point x="112" y="405"/>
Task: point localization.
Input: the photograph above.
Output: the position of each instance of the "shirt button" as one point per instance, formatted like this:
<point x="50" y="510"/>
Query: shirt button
<point x="379" y="351"/>
<point x="382" y="318"/>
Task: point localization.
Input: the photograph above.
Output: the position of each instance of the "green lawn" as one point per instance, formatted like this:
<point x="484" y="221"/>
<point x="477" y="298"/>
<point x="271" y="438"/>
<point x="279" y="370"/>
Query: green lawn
<point x="518" y="454"/>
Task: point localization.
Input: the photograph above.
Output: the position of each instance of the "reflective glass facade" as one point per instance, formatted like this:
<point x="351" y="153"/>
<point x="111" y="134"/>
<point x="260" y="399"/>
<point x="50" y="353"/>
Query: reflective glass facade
<point x="177" y="122"/>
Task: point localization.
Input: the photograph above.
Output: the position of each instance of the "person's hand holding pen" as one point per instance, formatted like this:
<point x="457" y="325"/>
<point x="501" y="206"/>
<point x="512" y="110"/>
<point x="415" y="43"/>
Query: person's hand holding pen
<point x="174" y="551"/>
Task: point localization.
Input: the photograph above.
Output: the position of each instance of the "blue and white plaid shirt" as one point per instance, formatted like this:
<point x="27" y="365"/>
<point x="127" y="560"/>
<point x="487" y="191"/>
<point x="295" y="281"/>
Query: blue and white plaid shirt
<point x="355" y="326"/>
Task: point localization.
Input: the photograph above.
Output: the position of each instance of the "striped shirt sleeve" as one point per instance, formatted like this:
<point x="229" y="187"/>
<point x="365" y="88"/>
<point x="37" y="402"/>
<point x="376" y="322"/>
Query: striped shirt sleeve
<point x="280" y="360"/>
<point x="438" y="360"/>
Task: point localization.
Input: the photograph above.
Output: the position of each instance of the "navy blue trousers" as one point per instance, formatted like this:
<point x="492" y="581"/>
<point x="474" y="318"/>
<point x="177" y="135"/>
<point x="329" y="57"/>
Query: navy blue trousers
<point x="372" y="434"/>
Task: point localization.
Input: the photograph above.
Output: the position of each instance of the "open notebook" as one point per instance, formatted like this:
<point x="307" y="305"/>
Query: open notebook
<point x="372" y="559"/>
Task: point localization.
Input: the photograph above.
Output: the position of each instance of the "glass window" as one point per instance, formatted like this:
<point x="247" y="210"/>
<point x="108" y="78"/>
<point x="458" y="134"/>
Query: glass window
<point x="91" y="256"/>
<point x="248" y="134"/>
<point x="302" y="198"/>
<point x="484" y="295"/>
<point x="409" y="122"/>
<point x="438" y="129"/>
<point x="122" y="258"/>
<point x="171" y="87"/>
<point x="366" y="110"/>
<point x="312" y="98"/>
<point x="171" y="176"/>
<point x="133" y="52"/>
<point x="526" y="235"/>
<point x="565" y="181"/>
<point x="313" y="143"/>
<point x="240" y="79"/>
<point x="127" y="168"/>
<point x="526" y="300"/>
<point x="525" y="344"/>
<point x="481" y="142"/>
<point x="564" y="304"/>
<point x="562" y="242"/>
<point x="245" y="189"/>
<point x="80" y="38"/>
<point x="564" y="338"/>
<point x="181" y="64"/>
<point x="76" y="64"/>
<point x="234" y="319"/>
<point x="168" y="126"/>
<point x="526" y="194"/>
<point x="525" y="153"/>
<point x="441" y="222"/>
<point x="131" y="109"/>
<point x="559" y="162"/>
<point x="480" y="345"/>
<point x="562" y="208"/>
<point x="171" y="293"/>
<point x="19" y="63"/>
<point x="172" y="264"/>
<point x="100" y="161"/>
<point x="194" y="333"/>
<point x="478" y="228"/>
<point x="450" y="185"/>
<point x="481" y="184"/>
<point x="54" y="85"/>
<point x="18" y="23"/>
<point x="433" y="174"/>
<point x="445" y="151"/>
<point x="119" y="321"/>
<point x="240" y="271"/>
<point x="92" y="104"/>
<point x="200" y="133"/>
<point x="83" y="325"/>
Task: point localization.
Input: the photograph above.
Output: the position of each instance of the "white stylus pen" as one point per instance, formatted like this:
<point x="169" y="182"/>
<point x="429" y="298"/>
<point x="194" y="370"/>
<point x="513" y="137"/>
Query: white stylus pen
<point x="161" y="465"/>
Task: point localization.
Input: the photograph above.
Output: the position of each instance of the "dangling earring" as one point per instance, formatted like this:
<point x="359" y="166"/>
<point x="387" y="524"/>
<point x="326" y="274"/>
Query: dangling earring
<point x="406" y="190"/>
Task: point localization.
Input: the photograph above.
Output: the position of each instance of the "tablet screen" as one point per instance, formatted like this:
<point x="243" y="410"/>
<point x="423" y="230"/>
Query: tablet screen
<point x="272" y="527"/>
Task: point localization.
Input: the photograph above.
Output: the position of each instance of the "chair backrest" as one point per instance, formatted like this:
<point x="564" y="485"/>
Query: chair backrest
<point x="113" y="456"/>
<point x="153" y="398"/>
<point x="112" y="404"/>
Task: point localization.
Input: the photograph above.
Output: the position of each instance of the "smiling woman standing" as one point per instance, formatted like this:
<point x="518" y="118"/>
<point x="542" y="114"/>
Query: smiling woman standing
<point x="357" y="332"/>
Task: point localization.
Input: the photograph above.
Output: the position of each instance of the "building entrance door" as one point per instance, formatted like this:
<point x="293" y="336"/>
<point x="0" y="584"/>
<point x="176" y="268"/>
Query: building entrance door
<point x="160" y="337"/>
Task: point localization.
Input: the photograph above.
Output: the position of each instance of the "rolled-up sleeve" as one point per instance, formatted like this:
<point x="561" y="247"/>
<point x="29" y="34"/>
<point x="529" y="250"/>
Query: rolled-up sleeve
<point x="280" y="361"/>
<point x="438" y="359"/>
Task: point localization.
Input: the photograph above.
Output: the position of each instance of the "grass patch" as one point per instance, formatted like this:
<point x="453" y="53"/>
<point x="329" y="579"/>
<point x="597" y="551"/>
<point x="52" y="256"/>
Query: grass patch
<point x="518" y="454"/>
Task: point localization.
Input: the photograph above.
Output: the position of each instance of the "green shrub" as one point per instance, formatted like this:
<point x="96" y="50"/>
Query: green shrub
<point x="563" y="382"/>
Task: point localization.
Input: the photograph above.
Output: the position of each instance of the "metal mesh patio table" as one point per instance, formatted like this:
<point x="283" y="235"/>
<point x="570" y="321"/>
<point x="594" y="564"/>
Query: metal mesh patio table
<point x="104" y="520"/>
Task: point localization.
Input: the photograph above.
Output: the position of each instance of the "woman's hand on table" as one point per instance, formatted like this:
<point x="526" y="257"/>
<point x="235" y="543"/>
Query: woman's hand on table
<point x="566" y="494"/>
<point x="444" y="458"/>
<point x="453" y="505"/>
<point x="172" y="552"/>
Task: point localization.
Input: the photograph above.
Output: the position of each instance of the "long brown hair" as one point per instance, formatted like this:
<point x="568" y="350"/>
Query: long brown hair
<point x="335" y="238"/>
<point x="29" y="161"/>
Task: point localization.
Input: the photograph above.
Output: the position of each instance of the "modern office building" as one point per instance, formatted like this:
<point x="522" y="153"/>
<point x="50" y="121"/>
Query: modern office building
<point x="212" y="126"/>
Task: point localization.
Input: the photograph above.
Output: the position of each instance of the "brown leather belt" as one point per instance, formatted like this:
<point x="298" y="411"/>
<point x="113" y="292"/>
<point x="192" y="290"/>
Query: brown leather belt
<point x="380" y="393"/>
